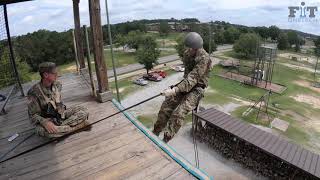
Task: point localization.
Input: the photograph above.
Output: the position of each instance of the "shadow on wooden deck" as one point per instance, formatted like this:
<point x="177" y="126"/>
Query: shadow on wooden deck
<point x="114" y="148"/>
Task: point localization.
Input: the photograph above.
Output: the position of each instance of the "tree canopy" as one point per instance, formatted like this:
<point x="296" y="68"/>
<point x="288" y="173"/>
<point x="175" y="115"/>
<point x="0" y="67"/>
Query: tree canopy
<point x="283" y="41"/>
<point x="247" y="45"/>
<point x="147" y="53"/>
<point x="44" y="45"/>
<point x="164" y="28"/>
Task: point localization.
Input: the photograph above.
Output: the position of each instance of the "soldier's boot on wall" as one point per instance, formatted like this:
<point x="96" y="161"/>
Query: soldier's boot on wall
<point x="156" y="132"/>
<point x="166" y="137"/>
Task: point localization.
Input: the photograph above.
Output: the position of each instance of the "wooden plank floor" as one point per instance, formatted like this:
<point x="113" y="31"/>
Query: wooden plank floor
<point x="112" y="149"/>
<point x="277" y="146"/>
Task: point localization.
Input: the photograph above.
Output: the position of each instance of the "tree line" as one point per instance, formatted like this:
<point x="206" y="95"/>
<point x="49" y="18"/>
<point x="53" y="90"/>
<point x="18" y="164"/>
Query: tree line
<point x="33" y="48"/>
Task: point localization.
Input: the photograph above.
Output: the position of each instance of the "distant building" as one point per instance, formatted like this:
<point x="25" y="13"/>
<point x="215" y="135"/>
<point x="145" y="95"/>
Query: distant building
<point x="174" y="26"/>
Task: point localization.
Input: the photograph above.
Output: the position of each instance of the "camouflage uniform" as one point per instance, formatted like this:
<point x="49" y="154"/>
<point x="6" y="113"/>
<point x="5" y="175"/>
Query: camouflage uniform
<point x="190" y="91"/>
<point x="39" y="100"/>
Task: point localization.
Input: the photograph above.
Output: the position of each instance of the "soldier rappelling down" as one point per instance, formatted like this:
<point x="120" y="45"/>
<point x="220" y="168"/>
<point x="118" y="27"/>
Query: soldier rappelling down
<point x="46" y="110"/>
<point x="185" y="96"/>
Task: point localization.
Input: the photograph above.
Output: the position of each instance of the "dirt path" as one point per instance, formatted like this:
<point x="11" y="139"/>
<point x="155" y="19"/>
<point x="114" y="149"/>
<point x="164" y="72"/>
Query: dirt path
<point x="300" y="67"/>
<point x="309" y="99"/>
<point x="307" y="85"/>
<point x="300" y="57"/>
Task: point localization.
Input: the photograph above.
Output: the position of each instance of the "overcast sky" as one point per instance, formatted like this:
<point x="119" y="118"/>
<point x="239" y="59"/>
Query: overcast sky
<point x="58" y="15"/>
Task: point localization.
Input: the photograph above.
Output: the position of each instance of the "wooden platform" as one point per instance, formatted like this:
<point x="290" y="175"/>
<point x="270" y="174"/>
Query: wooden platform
<point x="276" y="88"/>
<point x="112" y="149"/>
<point x="274" y="145"/>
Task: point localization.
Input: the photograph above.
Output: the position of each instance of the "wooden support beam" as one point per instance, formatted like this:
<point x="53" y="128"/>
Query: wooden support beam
<point x="96" y="30"/>
<point x="3" y="2"/>
<point x="77" y="30"/>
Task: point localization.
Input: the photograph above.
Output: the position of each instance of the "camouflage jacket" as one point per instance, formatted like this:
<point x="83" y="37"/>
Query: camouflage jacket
<point x="37" y="103"/>
<point x="197" y="70"/>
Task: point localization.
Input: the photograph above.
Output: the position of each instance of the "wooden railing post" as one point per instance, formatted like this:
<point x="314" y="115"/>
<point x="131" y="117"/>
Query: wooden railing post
<point x="103" y="94"/>
<point x="77" y="33"/>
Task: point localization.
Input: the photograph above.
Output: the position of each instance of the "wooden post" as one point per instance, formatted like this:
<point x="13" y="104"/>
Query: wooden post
<point x="77" y="32"/>
<point x="100" y="65"/>
<point x="12" y="58"/>
<point x="93" y="86"/>
<point x="75" y="51"/>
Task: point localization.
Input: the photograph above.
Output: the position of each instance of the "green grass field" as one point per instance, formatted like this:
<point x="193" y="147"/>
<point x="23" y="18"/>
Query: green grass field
<point x="121" y="59"/>
<point x="125" y="58"/>
<point x="223" y="91"/>
<point x="282" y="106"/>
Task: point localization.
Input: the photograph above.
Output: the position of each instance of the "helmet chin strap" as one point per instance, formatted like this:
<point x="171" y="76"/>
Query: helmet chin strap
<point x="194" y="52"/>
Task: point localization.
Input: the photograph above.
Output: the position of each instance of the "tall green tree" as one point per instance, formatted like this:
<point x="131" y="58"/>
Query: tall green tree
<point x="147" y="54"/>
<point x="219" y="38"/>
<point x="133" y="39"/>
<point x="317" y="48"/>
<point x="262" y="31"/>
<point x="231" y="35"/>
<point x="274" y="32"/>
<point x="164" y="28"/>
<point x="7" y="77"/>
<point x="283" y="41"/>
<point x="317" y="42"/>
<point x="247" y="45"/>
<point x="180" y="45"/>
<point x="292" y="38"/>
<point x="297" y="46"/>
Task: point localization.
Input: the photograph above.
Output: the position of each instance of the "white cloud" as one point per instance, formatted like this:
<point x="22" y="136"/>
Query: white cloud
<point x="58" y="14"/>
<point x="27" y="19"/>
<point x="244" y="4"/>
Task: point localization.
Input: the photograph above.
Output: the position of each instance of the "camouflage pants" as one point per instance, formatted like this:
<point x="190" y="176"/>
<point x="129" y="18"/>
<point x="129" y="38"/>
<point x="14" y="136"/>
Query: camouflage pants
<point x="76" y="117"/>
<point x="174" y="110"/>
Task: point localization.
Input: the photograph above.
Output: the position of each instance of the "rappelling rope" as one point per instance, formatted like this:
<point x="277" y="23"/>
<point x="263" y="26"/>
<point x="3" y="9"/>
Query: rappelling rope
<point x="194" y="131"/>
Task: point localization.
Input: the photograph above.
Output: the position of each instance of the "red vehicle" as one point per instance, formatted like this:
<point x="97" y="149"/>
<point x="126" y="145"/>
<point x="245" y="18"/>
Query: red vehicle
<point x="162" y="73"/>
<point x="153" y="77"/>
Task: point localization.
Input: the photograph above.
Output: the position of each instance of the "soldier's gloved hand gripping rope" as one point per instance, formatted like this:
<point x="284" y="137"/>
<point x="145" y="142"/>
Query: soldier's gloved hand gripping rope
<point x="170" y="92"/>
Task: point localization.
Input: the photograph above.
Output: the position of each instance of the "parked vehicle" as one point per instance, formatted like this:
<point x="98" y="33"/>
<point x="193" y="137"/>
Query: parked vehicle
<point x="178" y="68"/>
<point x="153" y="77"/>
<point x="160" y="73"/>
<point x="140" y="81"/>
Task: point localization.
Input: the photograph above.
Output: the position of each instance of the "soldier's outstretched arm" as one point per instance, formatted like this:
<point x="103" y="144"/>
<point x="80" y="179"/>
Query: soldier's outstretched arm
<point x="197" y="73"/>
